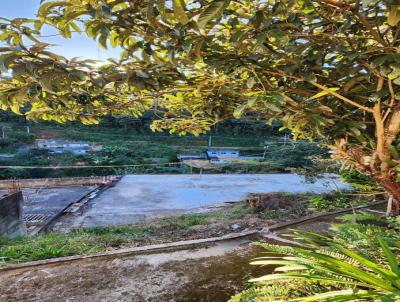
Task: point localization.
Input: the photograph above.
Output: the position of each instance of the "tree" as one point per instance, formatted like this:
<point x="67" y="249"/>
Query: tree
<point x="329" y="70"/>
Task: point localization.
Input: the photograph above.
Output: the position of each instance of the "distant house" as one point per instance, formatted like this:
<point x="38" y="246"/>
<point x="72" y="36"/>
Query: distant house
<point x="222" y="153"/>
<point x="61" y="146"/>
<point x="218" y="156"/>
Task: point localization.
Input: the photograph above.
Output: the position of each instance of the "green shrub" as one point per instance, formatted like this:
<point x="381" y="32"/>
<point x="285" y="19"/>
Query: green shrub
<point x="358" y="180"/>
<point x="6" y="143"/>
<point x="333" y="201"/>
<point x="330" y="268"/>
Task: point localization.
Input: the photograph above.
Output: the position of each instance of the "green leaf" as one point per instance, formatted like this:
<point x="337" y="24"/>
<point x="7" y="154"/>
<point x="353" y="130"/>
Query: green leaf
<point x="378" y="61"/>
<point x="394" y="15"/>
<point x="367" y="263"/>
<point x="114" y="39"/>
<point x="213" y="10"/>
<point x="45" y="8"/>
<point x="250" y="82"/>
<point x="15" y="108"/>
<point x="238" y="112"/>
<point x="391" y="258"/>
<point x="340" y="295"/>
<point x="179" y="11"/>
<point x="46" y="83"/>
<point x="322" y="93"/>
<point x="393" y="151"/>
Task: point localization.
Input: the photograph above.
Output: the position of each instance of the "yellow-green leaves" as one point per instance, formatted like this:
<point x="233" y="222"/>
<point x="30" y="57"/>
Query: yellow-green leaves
<point x="15" y="108"/>
<point x="38" y="47"/>
<point x="179" y="11"/>
<point x="88" y="120"/>
<point x="393" y="15"/>
<point x="323" y="93"/>
<point x="46" y="7"/>
<point x="213" y="10"/>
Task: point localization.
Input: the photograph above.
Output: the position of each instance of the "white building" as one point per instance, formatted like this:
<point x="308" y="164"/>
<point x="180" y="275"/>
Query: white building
<point x="223" y="153"/>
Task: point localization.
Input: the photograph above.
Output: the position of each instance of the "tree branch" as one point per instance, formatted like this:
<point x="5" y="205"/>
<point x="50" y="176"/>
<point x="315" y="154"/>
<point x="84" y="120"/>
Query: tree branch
<point x="343" y="98"/>
<point x="369" y="28"/>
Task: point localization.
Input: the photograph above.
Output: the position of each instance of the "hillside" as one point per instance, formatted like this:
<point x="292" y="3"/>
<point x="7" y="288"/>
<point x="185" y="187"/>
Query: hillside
<point x="130" y="147"/>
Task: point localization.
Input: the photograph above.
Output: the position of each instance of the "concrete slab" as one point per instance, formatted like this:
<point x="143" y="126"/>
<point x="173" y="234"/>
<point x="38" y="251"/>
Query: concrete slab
<point x="52" y="200"/>
<point x="42" y="205"/>
<point x="136" y="198"/>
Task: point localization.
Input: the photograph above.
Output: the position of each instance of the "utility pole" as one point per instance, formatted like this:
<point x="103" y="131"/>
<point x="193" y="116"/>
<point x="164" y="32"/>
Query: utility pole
<point x="265" y="151"/>
<point x="3" y="132"/>
<point x="28" y="130"/>
<point x="210" y="140"/>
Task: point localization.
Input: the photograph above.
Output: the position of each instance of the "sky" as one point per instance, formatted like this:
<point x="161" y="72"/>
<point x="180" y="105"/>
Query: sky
<point x="78" y="46"/>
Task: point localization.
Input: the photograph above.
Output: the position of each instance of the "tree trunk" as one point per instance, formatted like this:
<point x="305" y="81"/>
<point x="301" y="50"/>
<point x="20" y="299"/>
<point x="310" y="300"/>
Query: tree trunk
<point x="393" y="189"/>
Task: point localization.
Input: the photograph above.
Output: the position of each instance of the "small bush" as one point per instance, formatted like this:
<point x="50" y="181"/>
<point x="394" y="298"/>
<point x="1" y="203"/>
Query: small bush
<point x="7" y="143"/>
<point x="332" y="202"/>
<point x="23" y="137"/>
<point x="354" y="263"/>
<point x="357" y="180"/>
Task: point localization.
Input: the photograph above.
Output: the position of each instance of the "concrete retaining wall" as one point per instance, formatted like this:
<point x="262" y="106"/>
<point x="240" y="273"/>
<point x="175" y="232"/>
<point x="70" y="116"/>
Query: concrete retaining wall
<point x="11" y="222"/>
<point x="56" y="182"/>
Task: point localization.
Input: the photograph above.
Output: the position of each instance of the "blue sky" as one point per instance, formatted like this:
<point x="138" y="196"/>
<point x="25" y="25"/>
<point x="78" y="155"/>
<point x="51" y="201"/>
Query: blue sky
<point x="78" y="46"/>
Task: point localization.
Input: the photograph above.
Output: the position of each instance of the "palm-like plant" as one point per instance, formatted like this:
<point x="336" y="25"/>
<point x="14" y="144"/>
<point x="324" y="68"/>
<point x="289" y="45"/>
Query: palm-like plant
<point x="324" y="260"/>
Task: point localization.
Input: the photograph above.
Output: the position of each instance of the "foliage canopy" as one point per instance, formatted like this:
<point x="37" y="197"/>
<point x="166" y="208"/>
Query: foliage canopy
<point x="328" y="69"/>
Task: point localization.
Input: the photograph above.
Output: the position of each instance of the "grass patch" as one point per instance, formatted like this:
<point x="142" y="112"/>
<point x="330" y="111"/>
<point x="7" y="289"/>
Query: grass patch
<point x="77" y="242"/>
<point x="47" y="246"/>
<point x="127" y="231"/>
<point x="87" y="241"/>
<point x="187" y="220"/>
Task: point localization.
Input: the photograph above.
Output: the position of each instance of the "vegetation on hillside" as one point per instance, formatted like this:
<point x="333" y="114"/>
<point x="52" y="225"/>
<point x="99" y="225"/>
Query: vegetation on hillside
<point x="125" y="143"/>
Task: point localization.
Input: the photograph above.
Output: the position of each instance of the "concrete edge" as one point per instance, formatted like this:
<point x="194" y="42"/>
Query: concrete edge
<point x="130" y="251"/>
<point x="101" y="188"/>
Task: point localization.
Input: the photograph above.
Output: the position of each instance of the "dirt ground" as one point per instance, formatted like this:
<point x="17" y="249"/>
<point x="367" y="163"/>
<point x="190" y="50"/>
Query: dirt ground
<point x="208" y="274"/>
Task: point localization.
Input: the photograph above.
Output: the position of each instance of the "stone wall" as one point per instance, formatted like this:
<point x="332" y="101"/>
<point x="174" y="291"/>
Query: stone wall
<point x="56" y="182"/>
<point x="11" y="222"/>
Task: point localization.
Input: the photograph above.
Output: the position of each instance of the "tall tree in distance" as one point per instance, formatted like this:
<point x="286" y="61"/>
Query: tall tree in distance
<point x="330" y="70"/>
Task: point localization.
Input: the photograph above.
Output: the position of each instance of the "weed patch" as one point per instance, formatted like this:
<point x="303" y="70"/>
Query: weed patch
<point x="187" y="220"/>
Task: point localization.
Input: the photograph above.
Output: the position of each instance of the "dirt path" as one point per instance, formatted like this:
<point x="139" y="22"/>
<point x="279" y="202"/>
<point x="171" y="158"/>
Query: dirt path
<point x="208" y="274"/>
